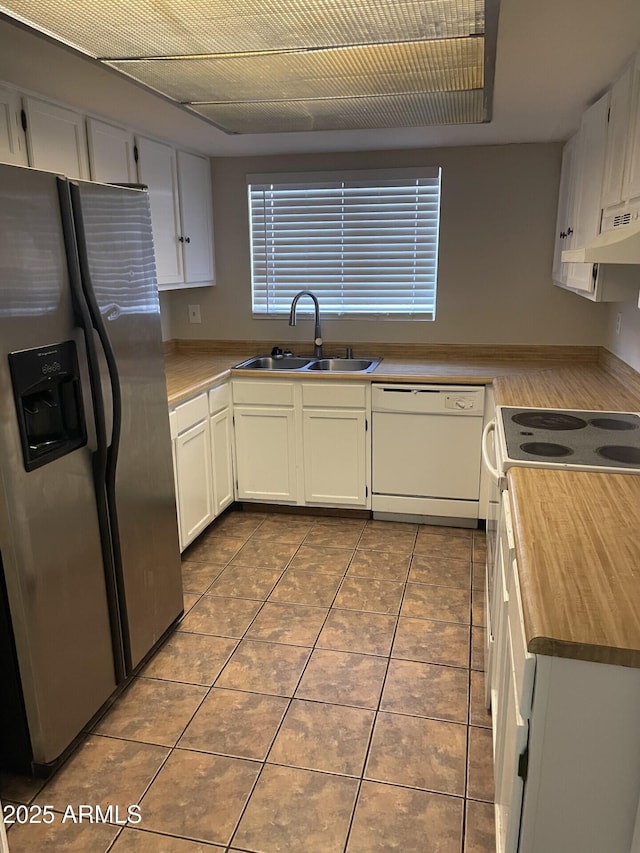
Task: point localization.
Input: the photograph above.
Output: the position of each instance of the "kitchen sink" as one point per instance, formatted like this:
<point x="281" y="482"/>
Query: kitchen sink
<point x="268" y="362"/>
<point x="341" y="365"/>
<point x="304" y="363"/>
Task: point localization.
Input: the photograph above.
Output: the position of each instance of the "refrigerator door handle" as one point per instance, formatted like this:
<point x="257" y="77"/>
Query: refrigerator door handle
<point x="101" y="455"/>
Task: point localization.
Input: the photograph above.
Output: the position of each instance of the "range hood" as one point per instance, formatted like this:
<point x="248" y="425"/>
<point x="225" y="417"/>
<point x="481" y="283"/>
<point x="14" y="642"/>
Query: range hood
<point x="619" y="243"/>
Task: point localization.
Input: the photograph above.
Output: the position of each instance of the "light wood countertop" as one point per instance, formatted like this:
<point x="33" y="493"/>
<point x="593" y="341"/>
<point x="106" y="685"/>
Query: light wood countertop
<point x="578" y="552"/>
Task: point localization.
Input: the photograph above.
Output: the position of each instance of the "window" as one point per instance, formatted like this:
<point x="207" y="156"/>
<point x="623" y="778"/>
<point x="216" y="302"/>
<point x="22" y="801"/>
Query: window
<point x="365" y="242"/>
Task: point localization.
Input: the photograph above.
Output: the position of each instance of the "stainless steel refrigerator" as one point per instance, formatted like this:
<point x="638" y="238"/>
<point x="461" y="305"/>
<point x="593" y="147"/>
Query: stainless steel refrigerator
<point x="90" y="579"/>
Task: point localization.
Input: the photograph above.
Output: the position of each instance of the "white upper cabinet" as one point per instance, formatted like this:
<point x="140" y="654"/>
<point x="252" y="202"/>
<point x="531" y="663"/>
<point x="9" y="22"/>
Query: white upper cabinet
<point x="13" y="148"/>
<point x="111" y="153"/>
<point x="622" y="171"/>
<point x="157" y="168"/>
<point x="180" y="198"/>
<point x="194" y="185"/>
<point x="56" y="139"/>
<point x="564" y="219"/>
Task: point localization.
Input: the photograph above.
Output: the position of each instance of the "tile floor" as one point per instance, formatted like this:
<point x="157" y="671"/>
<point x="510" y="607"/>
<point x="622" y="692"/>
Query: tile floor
<point x="322" y="693"/>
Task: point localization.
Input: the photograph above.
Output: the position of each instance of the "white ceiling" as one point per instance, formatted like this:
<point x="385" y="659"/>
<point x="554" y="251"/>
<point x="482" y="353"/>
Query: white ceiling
<point x="554" y="57"/>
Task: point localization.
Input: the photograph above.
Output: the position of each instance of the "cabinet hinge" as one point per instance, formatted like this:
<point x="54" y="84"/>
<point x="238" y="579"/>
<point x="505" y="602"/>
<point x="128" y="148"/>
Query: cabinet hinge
<point x="523" y="764"/>
<point x="135" y="153"/>
<point x="23" y="120"/>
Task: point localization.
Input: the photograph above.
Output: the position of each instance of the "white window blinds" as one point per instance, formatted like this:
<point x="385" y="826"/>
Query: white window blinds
<point x="365" y="242"/>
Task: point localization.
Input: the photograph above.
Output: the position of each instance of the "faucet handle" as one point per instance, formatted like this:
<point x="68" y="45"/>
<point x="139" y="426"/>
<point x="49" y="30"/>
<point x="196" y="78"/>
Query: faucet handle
<point x="276" y="352"/>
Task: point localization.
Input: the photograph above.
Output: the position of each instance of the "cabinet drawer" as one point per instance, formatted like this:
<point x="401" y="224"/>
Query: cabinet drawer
<point x="523" y="661"/>
<point x="219" y="398"/>
<point x="263" y="392"/>
<point x="189" y="413"/>
<point x="334" y="395"/>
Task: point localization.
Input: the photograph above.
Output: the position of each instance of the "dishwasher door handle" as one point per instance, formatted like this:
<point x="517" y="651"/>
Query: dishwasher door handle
<point x="490" y="428"/>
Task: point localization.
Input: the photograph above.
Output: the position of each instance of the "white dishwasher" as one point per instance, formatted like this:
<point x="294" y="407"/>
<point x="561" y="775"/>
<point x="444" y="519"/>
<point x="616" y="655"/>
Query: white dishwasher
<point x="426" y="443"/>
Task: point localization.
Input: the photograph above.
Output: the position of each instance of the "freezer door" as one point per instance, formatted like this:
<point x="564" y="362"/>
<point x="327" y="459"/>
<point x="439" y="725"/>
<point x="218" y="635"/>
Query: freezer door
<point x="115" y="240"/>
<point x="56" y="606"/>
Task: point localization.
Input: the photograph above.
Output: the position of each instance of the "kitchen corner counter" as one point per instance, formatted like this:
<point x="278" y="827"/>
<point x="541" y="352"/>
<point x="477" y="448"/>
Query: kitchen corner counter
<point x="578" y="553"/>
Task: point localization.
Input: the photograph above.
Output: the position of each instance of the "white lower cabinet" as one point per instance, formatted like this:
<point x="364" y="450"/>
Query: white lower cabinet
<point x="566" y="737"/>
<point x="302" y="443"/>
<point x="202" y="455"/>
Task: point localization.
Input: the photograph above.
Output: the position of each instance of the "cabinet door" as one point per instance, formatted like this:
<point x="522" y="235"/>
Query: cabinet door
<point x="13" y="148"/>
<point x="588" y="175"/>
<point x="194" y="183"/>
<point x="565" y="208"/>
<point x="221" y="461"/>
<point x="157" y="169"/>
<point x="111" y="153"/>
<point x="56" y="139"/>
<point x="195" y="485"/>
<point x="631" y="183"/>
<point x="334" y="457"/>
<point x="617" y="139"/>
<point x="265" y="453"/>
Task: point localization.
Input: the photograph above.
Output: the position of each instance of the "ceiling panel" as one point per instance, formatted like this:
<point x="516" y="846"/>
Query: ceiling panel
<point x="347" y="113"/>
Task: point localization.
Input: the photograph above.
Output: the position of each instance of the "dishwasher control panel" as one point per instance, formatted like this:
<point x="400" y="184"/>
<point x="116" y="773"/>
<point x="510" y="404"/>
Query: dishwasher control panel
<point x="428" y="399"/>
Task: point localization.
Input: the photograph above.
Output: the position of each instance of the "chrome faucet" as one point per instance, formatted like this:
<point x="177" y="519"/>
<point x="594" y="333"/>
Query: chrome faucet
<point x="317" y="334"/>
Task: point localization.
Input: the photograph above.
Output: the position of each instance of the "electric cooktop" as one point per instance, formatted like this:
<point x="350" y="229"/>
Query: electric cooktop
<point x="587" y="440"/>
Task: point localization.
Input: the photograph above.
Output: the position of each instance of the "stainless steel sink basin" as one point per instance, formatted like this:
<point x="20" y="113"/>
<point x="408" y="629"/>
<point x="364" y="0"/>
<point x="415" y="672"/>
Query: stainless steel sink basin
<point x="304" y="363"/>
<point x="342" y="365"/>
<point x="267" y="362"/>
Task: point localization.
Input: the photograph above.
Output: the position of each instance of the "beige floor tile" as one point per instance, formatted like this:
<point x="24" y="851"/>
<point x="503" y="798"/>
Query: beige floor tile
<point x="322" y="559"/>
<point x="284" y="528"/>
<point x="406" y="527"/>
<point x="333" y="536"/>
<point x="441" y="603"/>
<point x="264" y="668"/>
<point x="341" y="522"/>
<point x="357" y="631"/>
<point x="478" y="615"/>
<point x="463" y="533"/>
<point x="395" y="541"/>
<point x="479" y="571"/>
<point x="302" y="587"/>
<point x="392" y="818"/>
<point x="440" y="572"/>
<point x="374" y="596"/>
<point x="297" y="810"/>
<point x="383" y="565"/>
<point x="139" y="841"/>
<point x="427" y="690"/>
<point x="58" y="837"/>
<point x="19" y="789"/>
<point x="263" y="554"/>
<point x="445" y="547"/>
<point x="226" y="617"/>
<point x="238" y="523"/>
<point x="477" y="648"/>
<point x="244" y="582"/>
<point x="199" y="796"/>
<point x="152" y="711"/>
<point x="189" y="599"/>
<point x="480" y="769"/>
<point x="213" y="548"/>
<point x="318" y="736"/>
<point x="198" y="577"/>
<point x="234" y="723"/>
<point x="294" y="624"/>
<point x="478" y="714"/>
<point x="479" y="549"/>
<point x="104" y="771"/>
<point x="480" y="828"/>
<point x="432" y="642"/>
<point x="419" y="753"/>
<point x="191" y="658"/>
<point x="343" y="678"/>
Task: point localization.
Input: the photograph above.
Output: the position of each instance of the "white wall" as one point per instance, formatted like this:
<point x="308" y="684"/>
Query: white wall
<point x="626" y="345"/>
<point x="496" y="244"/>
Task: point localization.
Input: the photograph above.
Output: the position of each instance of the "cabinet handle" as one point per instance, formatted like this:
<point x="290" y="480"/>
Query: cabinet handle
<point x="180" y="239"/>
<point x="187" y="239"/>
<point x="569" y="232"/>
<point x="562" y="235"/>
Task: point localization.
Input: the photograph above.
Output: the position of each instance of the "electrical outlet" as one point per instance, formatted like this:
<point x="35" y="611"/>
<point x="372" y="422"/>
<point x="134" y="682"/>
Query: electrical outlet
<point x="618" y="322"/>
<point x="194" y="314"/>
